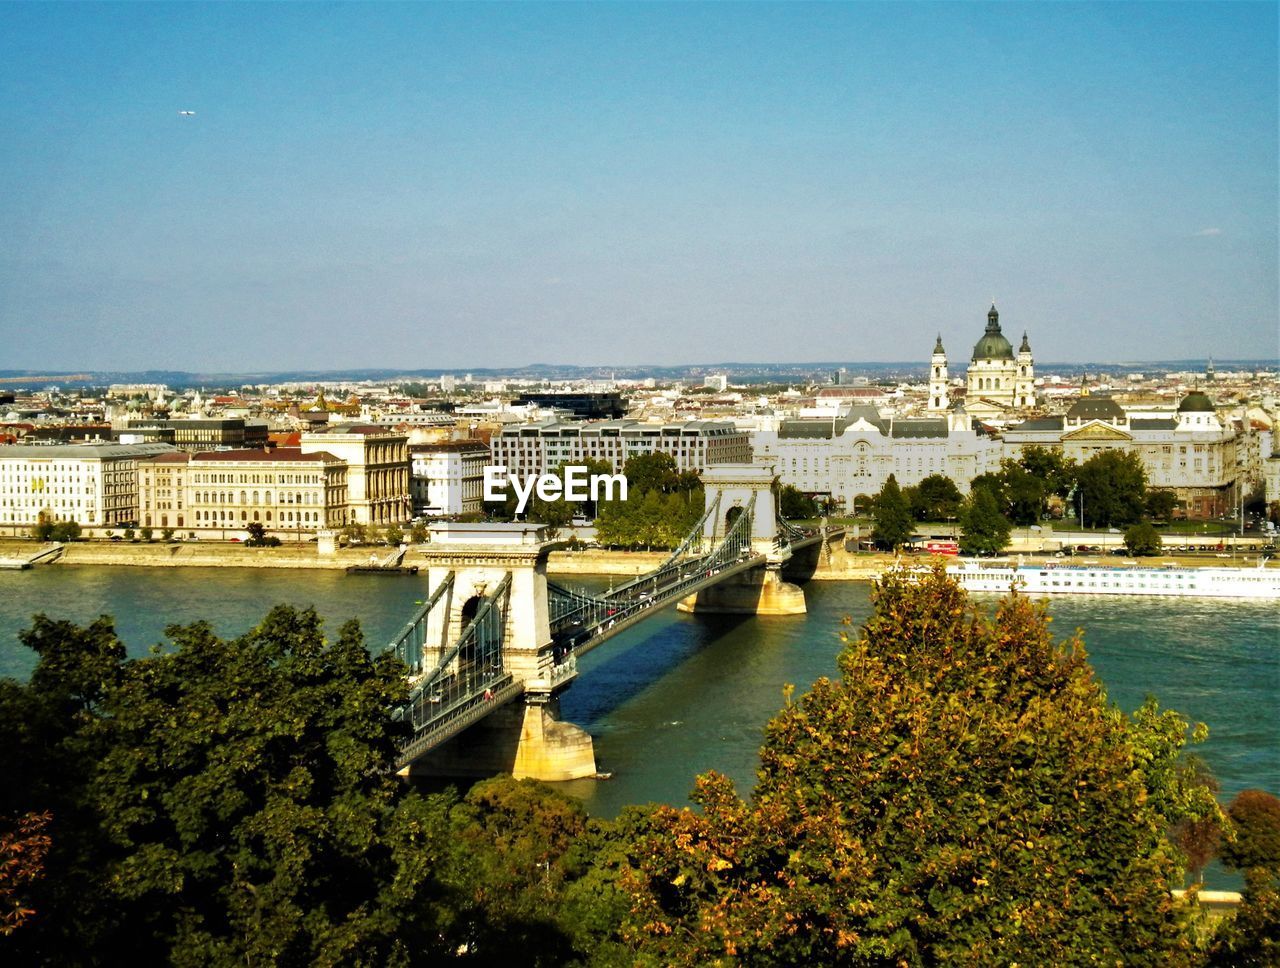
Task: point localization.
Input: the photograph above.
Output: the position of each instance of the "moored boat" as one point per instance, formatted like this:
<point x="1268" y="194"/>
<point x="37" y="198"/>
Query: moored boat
<point x="1056" y="579"/>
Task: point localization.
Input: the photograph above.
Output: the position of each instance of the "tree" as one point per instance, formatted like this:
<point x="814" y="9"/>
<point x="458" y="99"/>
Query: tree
<point x="1198" y="837"/>
<point x="146" y="534"/>
<point x="221" y="801"/>
<point x="393" y="535"/>
<point x="1160" y="504"/>
<point x="1255" y="815"/>
<point x="1114" y="488"/>
<point x="167" y="534"/>
<point x="892" y="516"/>
<point x="419" y="533"/>
<point x="1142" y="540"/>
<point x="963" y="794"/>
<point x="1250" y="938"/>
<point x="795" y="505"/>
<point x="1056" y="471"/>
<point x="23" y="846"/>
<point x="651" y="472"/>
<point x="984" y="530"/>
<point x="257" y="534"/>
<point x="936" y="498"/>
<point x="1023" y="493"/>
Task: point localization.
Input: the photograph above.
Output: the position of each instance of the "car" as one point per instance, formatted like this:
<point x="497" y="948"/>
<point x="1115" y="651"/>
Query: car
<point x="235" y="540"/>
<point x="116" y="537"/>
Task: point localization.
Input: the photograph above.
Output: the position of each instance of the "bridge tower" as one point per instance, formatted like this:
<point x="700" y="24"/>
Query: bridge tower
<point x="524" y="737"/>
<point x="760" y="591"/>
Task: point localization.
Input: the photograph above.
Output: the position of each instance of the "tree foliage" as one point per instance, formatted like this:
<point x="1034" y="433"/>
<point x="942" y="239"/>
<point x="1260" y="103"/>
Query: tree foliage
<point x="892" y="516"/>
<point x="220" y="801"/>
<point x="936" y="498"/>
<point x="1255" y="816"/>
<point x="1142" y="540"/>
<point x="962" y="795"/>
<point x="795" y="505"/>
<point x="984" y="530"/>
<point x="56" y="531"/>
<point x="1114" y="488"/>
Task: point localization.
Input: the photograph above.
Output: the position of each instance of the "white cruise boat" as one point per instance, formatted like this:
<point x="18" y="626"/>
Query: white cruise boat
<point x="1056" y="579"/>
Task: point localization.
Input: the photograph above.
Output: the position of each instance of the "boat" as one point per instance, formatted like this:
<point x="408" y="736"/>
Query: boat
<point x="1057" y="579"/>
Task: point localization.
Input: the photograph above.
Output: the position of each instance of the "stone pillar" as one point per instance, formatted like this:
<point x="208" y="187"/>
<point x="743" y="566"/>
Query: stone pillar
<point x="525" y="737"/>
<point x="759" y="591"/>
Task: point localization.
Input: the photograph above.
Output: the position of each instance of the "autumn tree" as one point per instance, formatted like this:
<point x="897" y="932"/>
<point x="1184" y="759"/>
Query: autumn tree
<point x="963" y="794"/>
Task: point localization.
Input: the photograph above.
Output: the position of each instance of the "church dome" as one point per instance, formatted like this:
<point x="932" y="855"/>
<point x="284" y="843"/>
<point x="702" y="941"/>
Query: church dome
<point x="1196" y="402"/>
<point x="993" y="345"/>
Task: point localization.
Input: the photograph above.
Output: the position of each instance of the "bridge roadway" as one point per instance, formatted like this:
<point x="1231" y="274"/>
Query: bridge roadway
<point x="639" y="600"/>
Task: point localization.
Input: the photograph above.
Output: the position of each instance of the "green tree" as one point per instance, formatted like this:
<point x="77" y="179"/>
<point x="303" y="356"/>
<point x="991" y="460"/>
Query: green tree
<point x="1250" y="938"/>
<point x="146" y="534"/>
<point x="221" y="801"/>
<point x="651" y="472"/>
<point x="1114" y="488"/>
<point x="167" y="534"/>
<point x="1023" y="493"/>
<point x="936" y="498"/>
<point x="419" y="533"/>
<point x="1160" y="504"/>
<point x="393" y="535"/>
<point x="963" y="794"/>
<point x="892" y="516"/>
<point x="795" y="505"/>
<point x="983" y="529"/>
<point x="1142" y="540"/>
<point x="257" y="534"/>
<point x="1056" y="471"/>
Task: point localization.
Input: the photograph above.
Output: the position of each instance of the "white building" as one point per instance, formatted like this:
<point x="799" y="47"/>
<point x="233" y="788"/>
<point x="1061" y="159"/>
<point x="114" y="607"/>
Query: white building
<point x="851" y="456"/>
<point x="1191" y="452"/>
<point x="997" y="381"/>
<point x="95" y="485"/>
<point x="447" y="478"/>
<point x="542" y="447"/>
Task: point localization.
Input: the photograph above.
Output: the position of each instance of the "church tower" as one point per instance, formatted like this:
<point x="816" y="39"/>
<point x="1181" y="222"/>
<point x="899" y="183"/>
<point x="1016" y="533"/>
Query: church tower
<point x="938" y="378"/>
<point x="1024" y="392"/>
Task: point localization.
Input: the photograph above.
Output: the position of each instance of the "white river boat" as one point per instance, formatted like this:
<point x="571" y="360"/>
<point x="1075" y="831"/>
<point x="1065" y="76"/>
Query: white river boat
<point x="1056" y="579"/>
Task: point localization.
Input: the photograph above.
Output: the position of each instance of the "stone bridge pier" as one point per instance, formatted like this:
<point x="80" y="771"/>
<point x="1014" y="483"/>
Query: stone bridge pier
<point x="758" y="591"/>
<point x="526" y="736"/>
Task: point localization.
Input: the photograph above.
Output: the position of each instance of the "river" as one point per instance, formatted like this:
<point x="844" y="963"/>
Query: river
<point x="682" y="694"/>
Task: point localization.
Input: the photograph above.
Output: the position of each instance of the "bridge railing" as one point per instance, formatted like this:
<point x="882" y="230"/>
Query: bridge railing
<point x="468" y="669"/>
<point x="409" y="645"/>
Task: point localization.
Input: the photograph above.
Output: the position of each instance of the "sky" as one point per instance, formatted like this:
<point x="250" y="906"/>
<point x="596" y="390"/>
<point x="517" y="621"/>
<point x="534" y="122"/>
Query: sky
<point x="472" y="185"/>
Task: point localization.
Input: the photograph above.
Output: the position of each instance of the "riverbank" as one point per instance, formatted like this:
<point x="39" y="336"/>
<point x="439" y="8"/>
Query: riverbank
<point x="593" y="561"/>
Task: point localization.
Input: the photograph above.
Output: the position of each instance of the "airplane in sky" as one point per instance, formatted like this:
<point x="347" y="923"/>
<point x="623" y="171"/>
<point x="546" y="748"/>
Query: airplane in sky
<point x="187" y="114"/>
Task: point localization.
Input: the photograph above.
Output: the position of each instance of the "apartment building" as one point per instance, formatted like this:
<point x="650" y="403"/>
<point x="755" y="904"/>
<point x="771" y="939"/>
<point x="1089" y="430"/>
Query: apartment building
<point x="540" y="448"/>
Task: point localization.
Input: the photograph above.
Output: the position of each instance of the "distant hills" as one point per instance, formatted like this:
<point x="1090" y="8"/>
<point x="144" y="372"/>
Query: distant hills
<point x="737" y="372"/>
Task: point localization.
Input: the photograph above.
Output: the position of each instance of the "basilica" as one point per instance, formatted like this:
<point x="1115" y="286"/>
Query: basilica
<point x="998" y="381"/>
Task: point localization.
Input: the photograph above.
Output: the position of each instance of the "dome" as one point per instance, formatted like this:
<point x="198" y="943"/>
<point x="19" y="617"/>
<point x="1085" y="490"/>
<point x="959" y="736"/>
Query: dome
<point x="993" y="345"/>
<point x="1196" y="402"/>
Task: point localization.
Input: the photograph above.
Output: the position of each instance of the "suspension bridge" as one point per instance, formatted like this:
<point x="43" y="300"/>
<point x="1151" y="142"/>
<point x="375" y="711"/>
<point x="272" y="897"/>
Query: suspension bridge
<point x="495" y="643"/>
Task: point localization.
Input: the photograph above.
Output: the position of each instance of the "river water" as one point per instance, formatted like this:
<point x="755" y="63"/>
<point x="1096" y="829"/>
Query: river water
<point x="682" y="694"/>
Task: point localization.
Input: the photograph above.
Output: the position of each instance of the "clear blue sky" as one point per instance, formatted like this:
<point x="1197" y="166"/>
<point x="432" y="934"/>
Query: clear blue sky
<point x="469" y="185"/>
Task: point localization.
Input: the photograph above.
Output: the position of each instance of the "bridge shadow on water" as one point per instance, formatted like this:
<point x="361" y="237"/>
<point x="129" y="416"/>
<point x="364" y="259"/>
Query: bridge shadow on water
<point x="631" y="663"/>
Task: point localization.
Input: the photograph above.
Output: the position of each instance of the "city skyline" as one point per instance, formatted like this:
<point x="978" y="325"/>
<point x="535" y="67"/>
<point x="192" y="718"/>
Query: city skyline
<point x="238" y="189"/>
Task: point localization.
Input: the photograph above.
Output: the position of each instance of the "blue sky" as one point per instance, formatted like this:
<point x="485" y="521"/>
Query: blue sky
<point x="488" y="185"/>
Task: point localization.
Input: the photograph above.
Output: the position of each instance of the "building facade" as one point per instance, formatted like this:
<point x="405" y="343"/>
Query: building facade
<point x="95" y="485"/>
<point x="377" y="461"/>
<point x="447" y="479"/>
<point x="849" y="458"/>
<point x="997" y="381"/>
<point x="541" y="448"/>
<point x="1191" y="453"/>
<point x="287" y="491"/>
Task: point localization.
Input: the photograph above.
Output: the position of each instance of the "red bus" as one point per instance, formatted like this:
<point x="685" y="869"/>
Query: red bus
<point x="936" y="546"/>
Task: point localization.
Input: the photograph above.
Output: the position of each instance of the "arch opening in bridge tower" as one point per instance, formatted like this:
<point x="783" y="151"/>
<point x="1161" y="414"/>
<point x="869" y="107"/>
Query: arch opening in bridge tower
<point x="730" y="517"/>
